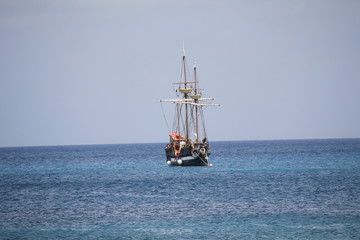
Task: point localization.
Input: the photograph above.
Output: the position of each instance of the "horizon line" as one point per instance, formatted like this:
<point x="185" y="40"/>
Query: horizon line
<point x="134" y="143"/>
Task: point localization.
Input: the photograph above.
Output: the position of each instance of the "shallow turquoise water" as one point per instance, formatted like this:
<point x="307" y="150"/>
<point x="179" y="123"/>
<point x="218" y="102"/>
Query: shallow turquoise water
<point x="299" y="189"/>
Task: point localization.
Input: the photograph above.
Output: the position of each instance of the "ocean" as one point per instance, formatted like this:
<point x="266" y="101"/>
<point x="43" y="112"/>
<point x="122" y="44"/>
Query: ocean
<point x="293" y="189"/>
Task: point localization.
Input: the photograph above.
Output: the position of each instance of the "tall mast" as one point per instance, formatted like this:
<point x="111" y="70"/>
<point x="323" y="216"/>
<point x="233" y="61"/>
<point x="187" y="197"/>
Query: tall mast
<point x="185" y="96"/>
<point x="196" y="107"/>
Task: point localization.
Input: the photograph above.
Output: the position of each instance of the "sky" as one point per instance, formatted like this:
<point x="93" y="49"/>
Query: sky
<point x="76" y="72"/>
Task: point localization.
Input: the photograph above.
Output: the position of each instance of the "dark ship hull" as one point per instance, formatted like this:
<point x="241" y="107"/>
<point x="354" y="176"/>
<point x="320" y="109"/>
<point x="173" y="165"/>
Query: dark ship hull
<point x="187" y="156"/>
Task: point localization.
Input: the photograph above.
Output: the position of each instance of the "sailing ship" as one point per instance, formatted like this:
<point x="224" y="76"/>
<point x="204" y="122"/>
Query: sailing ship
<point x="188" y="144"/>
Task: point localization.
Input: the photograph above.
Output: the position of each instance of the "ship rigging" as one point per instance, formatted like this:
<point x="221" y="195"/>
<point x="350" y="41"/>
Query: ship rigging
<point x="188" y="122"/>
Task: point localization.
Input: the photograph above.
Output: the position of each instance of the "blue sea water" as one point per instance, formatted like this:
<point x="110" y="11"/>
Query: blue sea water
<point x="298" y="189"/>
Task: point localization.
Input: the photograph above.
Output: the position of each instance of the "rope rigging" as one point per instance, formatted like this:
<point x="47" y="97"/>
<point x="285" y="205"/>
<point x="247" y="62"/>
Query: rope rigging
<point x="162" y="109"/>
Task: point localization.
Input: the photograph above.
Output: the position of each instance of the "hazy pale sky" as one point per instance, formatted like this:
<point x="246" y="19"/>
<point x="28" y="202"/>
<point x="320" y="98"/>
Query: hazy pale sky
<point x="92" y="72"/>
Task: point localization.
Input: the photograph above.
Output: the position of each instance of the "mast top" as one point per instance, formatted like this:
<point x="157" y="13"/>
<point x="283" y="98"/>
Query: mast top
<point x="183" y="48"/>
